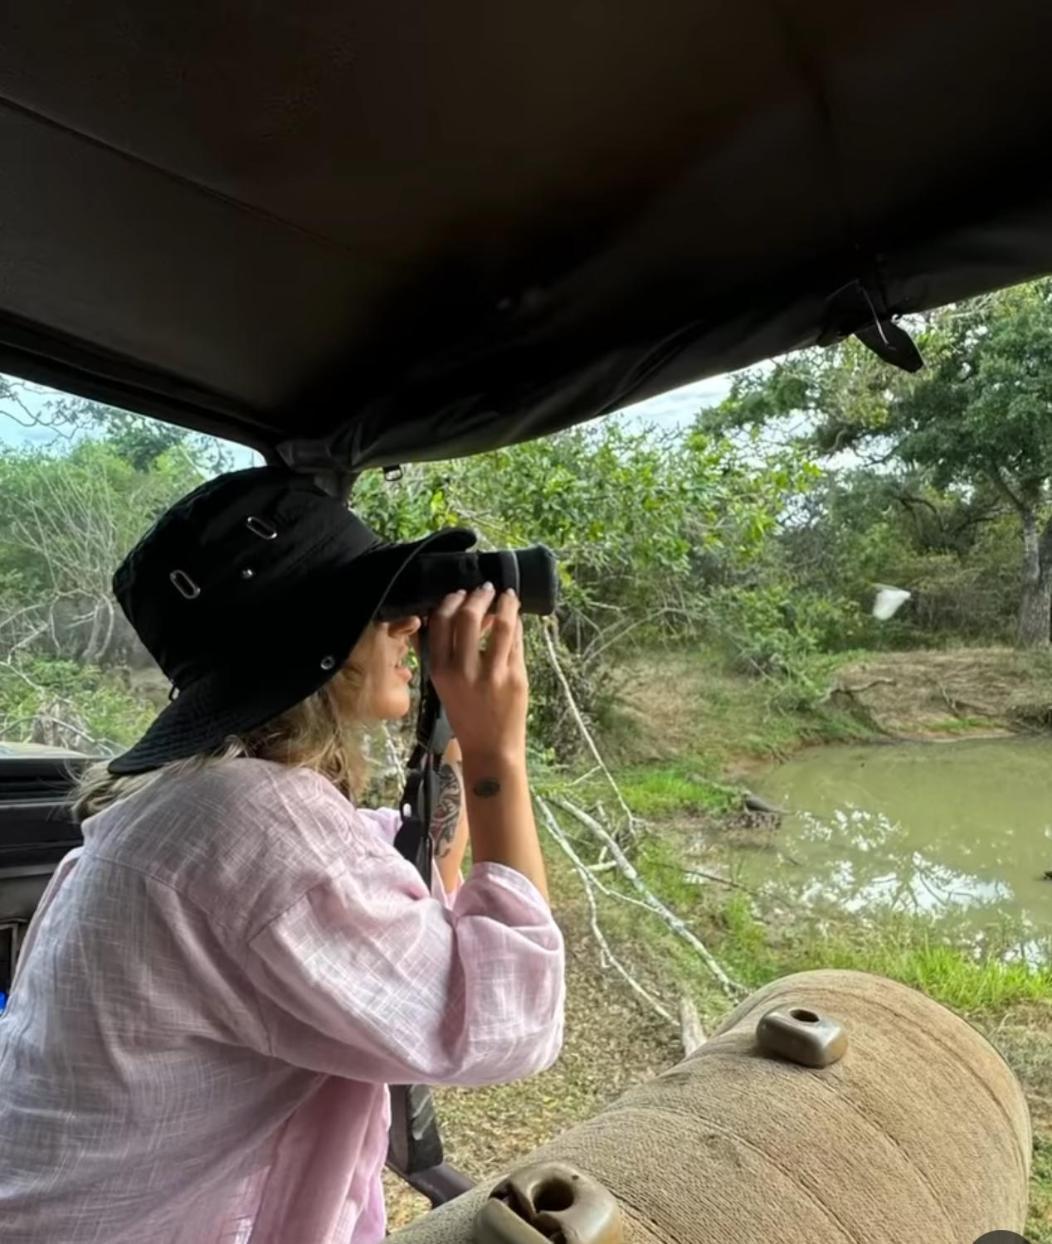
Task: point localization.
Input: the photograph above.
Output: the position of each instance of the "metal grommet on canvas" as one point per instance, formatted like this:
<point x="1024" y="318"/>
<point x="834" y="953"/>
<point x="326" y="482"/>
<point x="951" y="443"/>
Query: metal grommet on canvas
<point x="184" y="585"/>
<point x="328" y="663"/>
<point x="260" y="527"/>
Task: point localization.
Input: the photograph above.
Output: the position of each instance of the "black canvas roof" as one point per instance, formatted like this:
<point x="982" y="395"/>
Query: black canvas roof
<point x="409" y="230"/>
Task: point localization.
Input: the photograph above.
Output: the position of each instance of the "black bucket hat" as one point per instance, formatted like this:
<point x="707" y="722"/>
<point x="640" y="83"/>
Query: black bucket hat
<point x="250" y="593"/>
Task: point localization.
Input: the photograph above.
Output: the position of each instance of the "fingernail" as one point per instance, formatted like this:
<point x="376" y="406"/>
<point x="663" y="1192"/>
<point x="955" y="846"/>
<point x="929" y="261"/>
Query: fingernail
<point x="487" y="587"/>
<point x="510" y="592"/>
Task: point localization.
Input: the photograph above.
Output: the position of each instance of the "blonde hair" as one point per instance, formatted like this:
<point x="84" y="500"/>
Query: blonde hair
<point x="325" y="732"/>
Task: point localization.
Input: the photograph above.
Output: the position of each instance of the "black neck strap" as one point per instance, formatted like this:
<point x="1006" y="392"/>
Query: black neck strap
<point x="415" y="1140"/>
<point x="421" y="788"/>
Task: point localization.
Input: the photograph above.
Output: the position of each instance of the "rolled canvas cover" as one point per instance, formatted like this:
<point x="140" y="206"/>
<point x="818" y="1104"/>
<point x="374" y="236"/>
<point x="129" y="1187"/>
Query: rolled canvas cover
<point x="919" y="1134"/>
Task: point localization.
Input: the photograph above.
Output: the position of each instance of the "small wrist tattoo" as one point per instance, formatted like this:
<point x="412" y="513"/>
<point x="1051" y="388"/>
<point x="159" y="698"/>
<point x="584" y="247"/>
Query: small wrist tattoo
<point x="487" y="788"/>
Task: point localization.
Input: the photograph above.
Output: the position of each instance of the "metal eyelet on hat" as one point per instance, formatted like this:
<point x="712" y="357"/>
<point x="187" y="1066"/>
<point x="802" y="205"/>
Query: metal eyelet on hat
<point x="184" y="585"/>
<point x="328" y="663"/>
<point x="248" y="573"/>
<point x="260" y="527"/>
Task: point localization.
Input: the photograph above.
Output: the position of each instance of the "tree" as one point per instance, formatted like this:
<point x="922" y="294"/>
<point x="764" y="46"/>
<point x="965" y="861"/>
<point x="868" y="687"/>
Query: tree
<point x="65" y="523"/>
<point x="978" y="419"/>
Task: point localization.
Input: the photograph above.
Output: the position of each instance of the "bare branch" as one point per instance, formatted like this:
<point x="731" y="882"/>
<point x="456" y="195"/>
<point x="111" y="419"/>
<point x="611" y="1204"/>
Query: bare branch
<point x="589" y="884"/>
<point x="692" y="1034"/>
<point x="674" y="922"/>
<point x="564" y="683"/>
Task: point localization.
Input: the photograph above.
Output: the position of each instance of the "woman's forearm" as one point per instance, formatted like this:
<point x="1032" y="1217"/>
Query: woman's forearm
<point x="500" y="815"/>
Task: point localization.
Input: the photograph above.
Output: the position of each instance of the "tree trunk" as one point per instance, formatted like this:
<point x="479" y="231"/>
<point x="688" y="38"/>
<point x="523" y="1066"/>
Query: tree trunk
<point x="1035" y="606"/>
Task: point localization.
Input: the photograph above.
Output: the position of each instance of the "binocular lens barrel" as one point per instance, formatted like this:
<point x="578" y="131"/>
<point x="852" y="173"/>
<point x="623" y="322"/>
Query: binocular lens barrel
<point x="432" y="576"/>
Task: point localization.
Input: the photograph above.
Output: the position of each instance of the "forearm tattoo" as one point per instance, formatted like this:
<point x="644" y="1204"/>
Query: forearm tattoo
<point x="446" y="815"/>
<point x="487" y="788"/>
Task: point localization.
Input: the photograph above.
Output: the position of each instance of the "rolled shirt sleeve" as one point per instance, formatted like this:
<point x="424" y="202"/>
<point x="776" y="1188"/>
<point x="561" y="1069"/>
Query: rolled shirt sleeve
<point x="370" y="977"/>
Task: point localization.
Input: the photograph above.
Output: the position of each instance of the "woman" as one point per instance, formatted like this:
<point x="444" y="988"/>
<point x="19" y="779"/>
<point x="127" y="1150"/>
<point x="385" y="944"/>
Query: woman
<point x="220" y="984"/>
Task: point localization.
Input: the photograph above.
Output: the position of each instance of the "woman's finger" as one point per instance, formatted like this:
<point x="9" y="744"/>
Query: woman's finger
<point x="441" y="648"/>
<point x="517" y="655"/>
<point x="503" y="635"/>
<point x="467" y="627"/>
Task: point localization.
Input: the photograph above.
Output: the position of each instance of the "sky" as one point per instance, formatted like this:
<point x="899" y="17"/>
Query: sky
<point x="679" y="406"/>
<point x="676" y="408"/>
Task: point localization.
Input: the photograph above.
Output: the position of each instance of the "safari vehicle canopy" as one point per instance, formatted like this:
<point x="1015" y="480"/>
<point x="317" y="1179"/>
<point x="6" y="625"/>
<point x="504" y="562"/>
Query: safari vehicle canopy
<point x="405" y="231"/>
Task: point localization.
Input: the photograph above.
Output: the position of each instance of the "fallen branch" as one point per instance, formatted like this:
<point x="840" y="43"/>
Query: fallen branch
<point x="691" y="873"/>
<point x="677" y="925"/>
<point x="691" y="1033"/>
<point x="590" y="885"/>
<point x="841" y="689"/>
<point x="586" y="734"/>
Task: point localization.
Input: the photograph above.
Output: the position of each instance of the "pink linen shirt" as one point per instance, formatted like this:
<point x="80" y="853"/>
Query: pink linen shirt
<point x="216" y="991"/>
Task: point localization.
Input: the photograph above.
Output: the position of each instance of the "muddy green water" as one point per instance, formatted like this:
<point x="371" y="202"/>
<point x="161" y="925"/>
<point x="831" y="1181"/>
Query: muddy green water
<point x="960" y="831"/>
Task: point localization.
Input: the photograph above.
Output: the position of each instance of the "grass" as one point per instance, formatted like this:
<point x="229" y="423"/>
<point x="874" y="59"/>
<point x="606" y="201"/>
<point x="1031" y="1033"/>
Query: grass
<point x="948" y="974"/>
<point x="664" y="790"/>
<point x="1039" y="1228"/>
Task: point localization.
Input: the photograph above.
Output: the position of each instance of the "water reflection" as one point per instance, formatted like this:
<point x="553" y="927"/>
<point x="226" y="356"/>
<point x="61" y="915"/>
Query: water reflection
<point x="883" y="870"/>
<point x="959" y="832"/>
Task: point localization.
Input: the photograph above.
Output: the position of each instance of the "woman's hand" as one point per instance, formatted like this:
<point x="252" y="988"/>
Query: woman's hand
<point x="485" y="692"/>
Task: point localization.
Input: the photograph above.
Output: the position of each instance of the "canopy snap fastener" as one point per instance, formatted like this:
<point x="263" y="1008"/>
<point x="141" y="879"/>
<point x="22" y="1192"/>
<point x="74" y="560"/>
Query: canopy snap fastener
<point x="260" y="527"/>
<point x="547" y="1203"/>
<point x="184" y="585"/>
<point x="801" y="1035"/>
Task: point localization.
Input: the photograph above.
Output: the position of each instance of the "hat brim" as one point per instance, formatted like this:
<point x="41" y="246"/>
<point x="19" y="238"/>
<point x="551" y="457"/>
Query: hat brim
<point x="229" y="703"/>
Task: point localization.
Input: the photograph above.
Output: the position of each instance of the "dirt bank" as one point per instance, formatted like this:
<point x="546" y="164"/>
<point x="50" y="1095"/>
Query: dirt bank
<point x="937" y="694"/>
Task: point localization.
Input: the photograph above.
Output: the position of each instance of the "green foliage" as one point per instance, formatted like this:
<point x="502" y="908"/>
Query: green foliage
<point x="964" y="443"/>
<point x="632" y="515"/>
<point x="648" y="529"/>
<point x="956" y="551"/>
<point x="778" y="629"/>
<point x="67" y="705"/>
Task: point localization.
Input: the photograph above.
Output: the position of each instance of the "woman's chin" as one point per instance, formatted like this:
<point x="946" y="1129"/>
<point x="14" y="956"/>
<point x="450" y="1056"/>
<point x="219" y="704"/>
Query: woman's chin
<point x="394" y="705"/>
